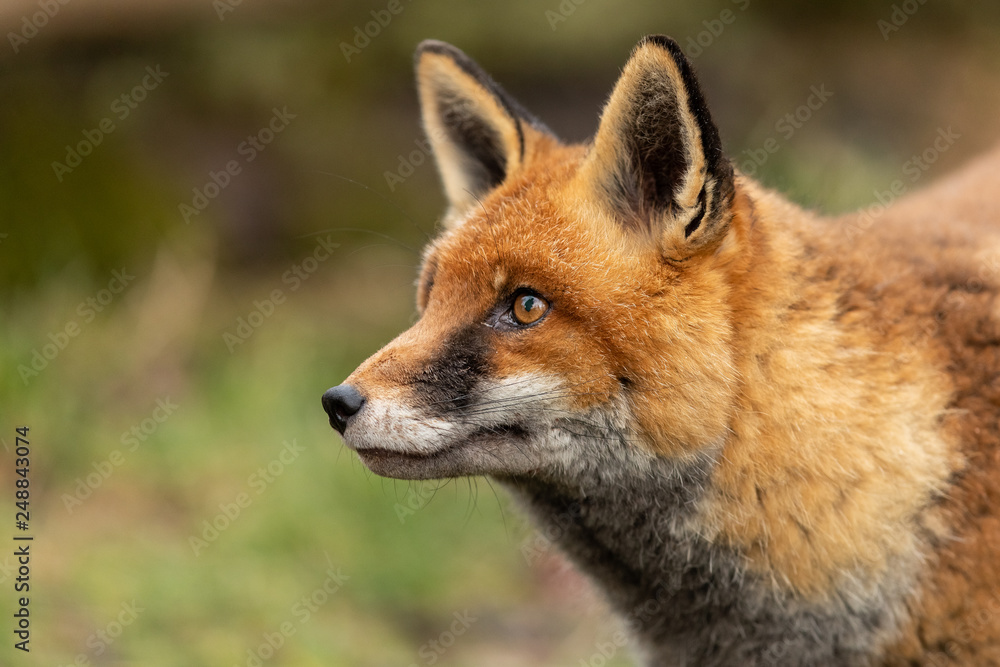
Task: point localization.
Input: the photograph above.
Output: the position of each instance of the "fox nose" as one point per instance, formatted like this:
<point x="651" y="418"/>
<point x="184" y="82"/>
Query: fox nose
<point x="341" y="403"/>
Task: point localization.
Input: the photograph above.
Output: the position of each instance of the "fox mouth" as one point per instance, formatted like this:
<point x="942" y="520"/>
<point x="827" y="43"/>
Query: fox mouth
<point x="403" y="465"/>
<point x="486" y="451"/>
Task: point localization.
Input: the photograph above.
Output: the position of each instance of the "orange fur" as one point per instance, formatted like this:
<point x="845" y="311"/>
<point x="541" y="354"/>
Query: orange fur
<point x="847" y="373"/>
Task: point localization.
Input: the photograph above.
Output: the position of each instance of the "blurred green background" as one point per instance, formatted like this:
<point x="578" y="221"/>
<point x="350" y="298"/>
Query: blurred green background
<point x="189" y="502"/>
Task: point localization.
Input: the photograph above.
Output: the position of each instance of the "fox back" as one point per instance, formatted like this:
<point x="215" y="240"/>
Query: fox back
<point x="770" y="438"/>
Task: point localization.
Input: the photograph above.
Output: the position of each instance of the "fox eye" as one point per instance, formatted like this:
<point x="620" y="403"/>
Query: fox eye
<point x="529" y="308"/>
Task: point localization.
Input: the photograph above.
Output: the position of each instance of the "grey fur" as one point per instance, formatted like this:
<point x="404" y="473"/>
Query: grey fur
<point x="629" y="519"/>
<point x="622" y="517"/>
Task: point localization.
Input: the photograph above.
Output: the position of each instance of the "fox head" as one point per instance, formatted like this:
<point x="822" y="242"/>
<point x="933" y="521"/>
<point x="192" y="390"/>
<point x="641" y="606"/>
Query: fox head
<point x="578" y="305"/>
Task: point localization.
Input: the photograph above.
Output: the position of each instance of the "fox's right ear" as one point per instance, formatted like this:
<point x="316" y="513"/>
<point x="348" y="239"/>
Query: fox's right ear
<point x="476" y="130"/>
<point x="657" y="161"/>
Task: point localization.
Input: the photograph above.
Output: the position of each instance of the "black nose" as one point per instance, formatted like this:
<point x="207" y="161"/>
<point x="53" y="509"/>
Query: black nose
<point x="341" y="403"/>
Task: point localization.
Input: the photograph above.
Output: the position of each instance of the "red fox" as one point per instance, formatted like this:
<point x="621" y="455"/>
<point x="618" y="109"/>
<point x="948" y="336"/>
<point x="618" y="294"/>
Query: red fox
<point x="770" y="438"/>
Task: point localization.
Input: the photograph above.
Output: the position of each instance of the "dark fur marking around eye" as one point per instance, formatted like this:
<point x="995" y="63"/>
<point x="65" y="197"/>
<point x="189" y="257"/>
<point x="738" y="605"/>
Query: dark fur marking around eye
<point x="449" y="379"/>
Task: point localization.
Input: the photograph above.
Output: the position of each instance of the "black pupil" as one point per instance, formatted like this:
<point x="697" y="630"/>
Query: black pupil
<point x="528" y="303"/>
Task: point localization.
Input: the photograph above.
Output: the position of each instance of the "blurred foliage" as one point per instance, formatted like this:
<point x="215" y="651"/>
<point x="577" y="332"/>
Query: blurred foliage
<point x="323" y="176"/>
<point x="355" y="118"/>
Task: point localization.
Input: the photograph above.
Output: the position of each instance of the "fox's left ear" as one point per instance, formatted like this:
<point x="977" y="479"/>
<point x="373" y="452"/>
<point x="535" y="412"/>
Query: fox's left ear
<point x="657" y="159"/>
<point x="479" y="134"/>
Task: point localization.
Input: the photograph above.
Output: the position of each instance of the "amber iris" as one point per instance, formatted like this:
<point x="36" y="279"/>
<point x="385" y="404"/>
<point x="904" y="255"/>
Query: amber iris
<point x="529" y="308"/>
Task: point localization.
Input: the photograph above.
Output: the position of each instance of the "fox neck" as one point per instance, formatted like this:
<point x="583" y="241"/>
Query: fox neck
<point x="626" y="531"/>
<point x="682" y="599"/>
<point x="647" y="528"/>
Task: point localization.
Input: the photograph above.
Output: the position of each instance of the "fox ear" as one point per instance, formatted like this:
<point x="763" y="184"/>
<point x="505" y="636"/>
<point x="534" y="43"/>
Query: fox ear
<point x="657" y="157"/>
<point x="476" y="130"/>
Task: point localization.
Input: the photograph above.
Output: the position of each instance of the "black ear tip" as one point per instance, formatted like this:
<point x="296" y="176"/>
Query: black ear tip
<point x="664" y="42"/>
<point x="660" y="40"/>
<point x="438" y="47"/>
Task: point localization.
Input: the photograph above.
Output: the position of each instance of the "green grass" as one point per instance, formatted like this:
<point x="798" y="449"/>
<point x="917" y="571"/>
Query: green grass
<point x="406" y="573"/>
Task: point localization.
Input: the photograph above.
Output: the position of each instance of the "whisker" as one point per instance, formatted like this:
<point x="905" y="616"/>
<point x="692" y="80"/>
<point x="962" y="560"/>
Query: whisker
<point x="479" y="391"/>
<point x="380" y="196"/>
<point x="361" y="230"/>
<point x="503" y="516"/>
<point x="550" y="393"/>
<point x="366" y="247"/>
